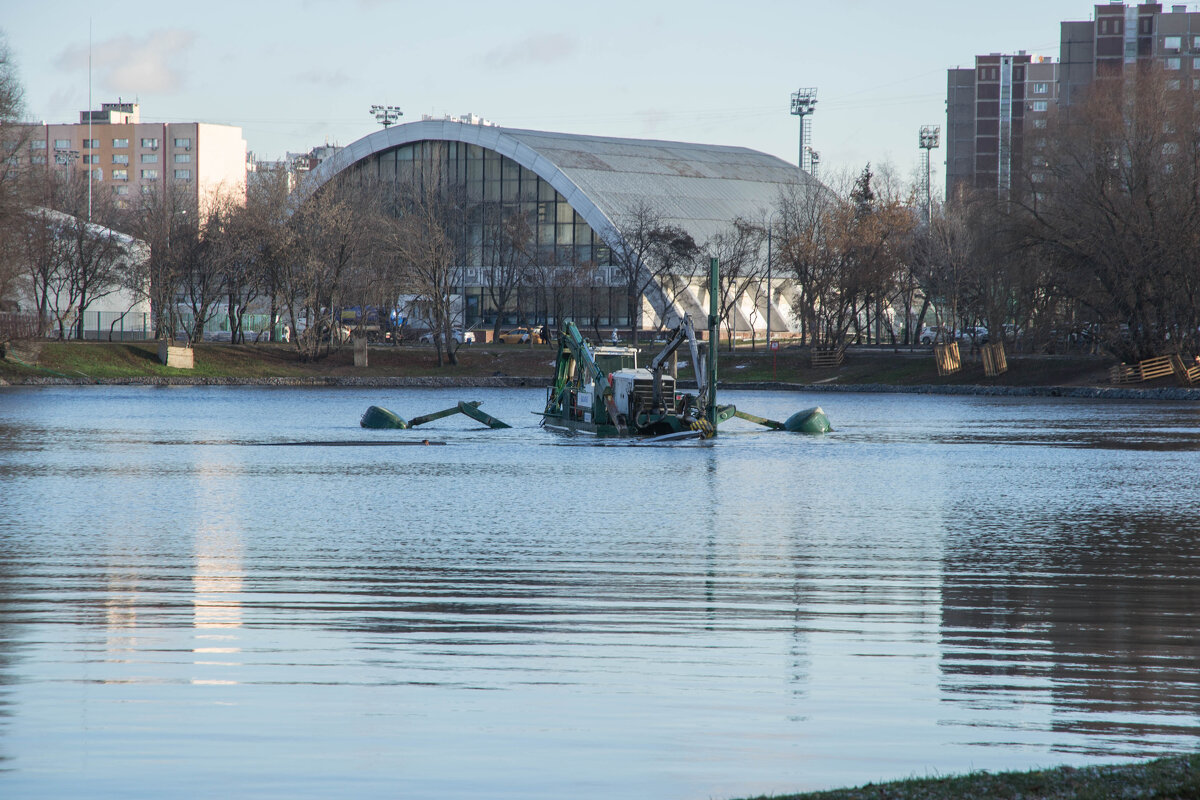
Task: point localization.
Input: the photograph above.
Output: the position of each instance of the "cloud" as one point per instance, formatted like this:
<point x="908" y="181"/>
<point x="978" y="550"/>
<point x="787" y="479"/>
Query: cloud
<point x="130" y="65"/>
<point x="320" y="78"/>
<point x="544" y="48"/>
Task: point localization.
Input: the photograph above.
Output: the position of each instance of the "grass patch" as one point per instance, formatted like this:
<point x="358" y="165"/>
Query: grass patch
<point x="1174" y="777"/>
<point x="131" y="360"/>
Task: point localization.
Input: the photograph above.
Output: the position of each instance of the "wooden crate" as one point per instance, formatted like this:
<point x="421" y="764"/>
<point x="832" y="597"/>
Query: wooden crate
<point x="994" y="362"/>
<point x="947" y="357"/>
<point x="1187" y="376"/>
<point x="827" y="357"/>
<point x="1124" y="373"/>
<point x="1153" y="368"/>
<point x="1148" y="370"/>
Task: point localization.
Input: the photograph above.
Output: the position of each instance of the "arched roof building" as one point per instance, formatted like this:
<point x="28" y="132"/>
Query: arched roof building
<point x="579" y="189"/>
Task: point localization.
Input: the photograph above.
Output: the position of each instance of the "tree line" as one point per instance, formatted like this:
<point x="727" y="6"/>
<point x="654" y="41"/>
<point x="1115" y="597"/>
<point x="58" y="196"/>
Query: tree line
<point x="1097" y="241"/>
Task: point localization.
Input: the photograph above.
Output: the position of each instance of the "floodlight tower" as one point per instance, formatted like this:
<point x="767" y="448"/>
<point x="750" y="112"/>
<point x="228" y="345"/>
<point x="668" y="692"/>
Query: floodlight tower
<point x="929" y="139"/>
<point x="386" y="115"/>
<point x="804" y="102"/>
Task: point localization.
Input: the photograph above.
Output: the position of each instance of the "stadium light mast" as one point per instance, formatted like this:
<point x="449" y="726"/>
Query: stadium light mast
<point x="929" y="139"/>
<point x="804" y="102"/>
<point x="386" y="115"/>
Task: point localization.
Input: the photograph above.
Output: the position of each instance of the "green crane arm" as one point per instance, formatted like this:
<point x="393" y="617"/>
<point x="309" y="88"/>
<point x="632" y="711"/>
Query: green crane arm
<point x="583" y="354"/>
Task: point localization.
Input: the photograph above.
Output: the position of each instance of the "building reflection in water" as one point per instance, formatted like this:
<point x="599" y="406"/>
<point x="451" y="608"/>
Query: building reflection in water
<point x="217" y="578"/>
<point x="1084" y="629"/>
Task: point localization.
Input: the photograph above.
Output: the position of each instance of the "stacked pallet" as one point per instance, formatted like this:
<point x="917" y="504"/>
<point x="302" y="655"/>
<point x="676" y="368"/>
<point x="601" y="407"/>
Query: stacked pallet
<point x="948" y="359"/>
<point x="1151" y="368"/>
<point x="827" y="357"/>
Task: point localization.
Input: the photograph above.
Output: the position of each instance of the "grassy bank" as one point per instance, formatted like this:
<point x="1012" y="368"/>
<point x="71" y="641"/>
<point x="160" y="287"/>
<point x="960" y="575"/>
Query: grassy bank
<point x="1177" y="777"/>
<point x="132" y="360"/>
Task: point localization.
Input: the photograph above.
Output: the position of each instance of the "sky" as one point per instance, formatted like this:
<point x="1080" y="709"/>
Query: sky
<point x="302" y="73"/>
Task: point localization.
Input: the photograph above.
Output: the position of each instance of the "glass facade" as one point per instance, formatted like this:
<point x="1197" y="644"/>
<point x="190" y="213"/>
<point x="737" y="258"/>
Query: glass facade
<point x="570" y="256"/>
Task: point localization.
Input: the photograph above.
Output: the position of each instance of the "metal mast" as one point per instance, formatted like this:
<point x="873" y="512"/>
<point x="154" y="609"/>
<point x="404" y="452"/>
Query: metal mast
<point x="804" y="102"/>
<point x="928" y="141"/>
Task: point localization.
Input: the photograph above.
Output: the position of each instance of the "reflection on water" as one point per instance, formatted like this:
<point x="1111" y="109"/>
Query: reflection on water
<point x="942" y="584"/>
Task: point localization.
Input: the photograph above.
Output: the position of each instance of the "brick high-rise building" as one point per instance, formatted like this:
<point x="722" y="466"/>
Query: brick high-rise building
<point x="994" y="112"/>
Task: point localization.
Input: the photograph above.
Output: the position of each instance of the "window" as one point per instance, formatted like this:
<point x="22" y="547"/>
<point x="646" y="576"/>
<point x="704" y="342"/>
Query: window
<point x="120" y="174"/>
<point x="150" y="174"/>
<point x="120" y="158"/>
<point x="37" y="159"/>
<point x="98" y="174"/>
<point x="151" y="144"/>
<point x="1040" y="105"/>
<point x="183" y="174"/>
<point x="91" y="143"/>
<point x="1173" y="84"/>
<point x="149" y="158"/>
<point x="183" y="158"/>
<point x="91" y="159"/>
<point x="1196" y="63"/>
<point x="1040" y="88"/>
<point x="62" y="144"/>
<point x="1174" y="63"/>
<point x="121" y="190"/>
<point x="1173" y="42"/>
<point x="1196" y="84"/>
<point x="147" y="188"/>
<point x="120" y="143"/>
<point x="1039" y="123"/>
<point x="186" y="144"/>
<point x="37" y="144"/>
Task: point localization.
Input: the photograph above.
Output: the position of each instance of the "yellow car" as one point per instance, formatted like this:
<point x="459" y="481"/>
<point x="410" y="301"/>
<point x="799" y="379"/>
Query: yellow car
<point x="519" y="336"/>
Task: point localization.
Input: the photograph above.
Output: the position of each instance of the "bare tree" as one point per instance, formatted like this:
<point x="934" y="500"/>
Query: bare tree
<point x="508" y="252"/>
<point x="1113" y="206"/>
<point x="639" y="236"/>
<point x="738" y="250"/>
<point x="41" y="244"/>
<point x="844" y="254"/>
<point x="425" y="239"/>
<point x="165" y="219"/>
<point x="329" y="237"/>
<point x="13" y="201"/>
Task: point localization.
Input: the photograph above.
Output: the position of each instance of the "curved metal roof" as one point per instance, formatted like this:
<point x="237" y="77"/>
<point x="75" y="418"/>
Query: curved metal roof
<point x="699" y="187"/>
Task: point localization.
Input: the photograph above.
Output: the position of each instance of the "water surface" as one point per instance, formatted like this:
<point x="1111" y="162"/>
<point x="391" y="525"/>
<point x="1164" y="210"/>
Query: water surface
<point x="188" y="608"/>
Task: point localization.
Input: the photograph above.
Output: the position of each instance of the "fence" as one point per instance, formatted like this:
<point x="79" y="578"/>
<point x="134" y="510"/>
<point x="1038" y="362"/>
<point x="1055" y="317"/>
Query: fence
<point x="115" y="326"/>
<point x="17" y="326"/>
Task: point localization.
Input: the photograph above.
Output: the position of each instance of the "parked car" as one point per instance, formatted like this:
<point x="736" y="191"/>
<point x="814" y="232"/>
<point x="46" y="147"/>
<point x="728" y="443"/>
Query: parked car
<point x="977" y="334"/>
<point x="460" y="337"/>
<point x="937" y="334"/>
<point x="520" y="336"/>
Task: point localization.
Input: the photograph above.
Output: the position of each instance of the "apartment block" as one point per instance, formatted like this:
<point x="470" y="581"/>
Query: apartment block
<point x="992" y="112"/>
<point x="134" y="157"/>
<point x="992" y="126"/>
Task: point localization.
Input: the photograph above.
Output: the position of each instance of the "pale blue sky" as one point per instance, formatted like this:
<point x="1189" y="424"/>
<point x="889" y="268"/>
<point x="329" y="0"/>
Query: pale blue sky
<point x="298" y="74"/>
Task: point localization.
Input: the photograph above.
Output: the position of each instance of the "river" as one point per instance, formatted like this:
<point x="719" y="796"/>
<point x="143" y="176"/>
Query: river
<point x="202" y="596"/>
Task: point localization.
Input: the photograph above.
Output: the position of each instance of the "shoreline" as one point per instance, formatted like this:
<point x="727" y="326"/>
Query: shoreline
<point x="1174" y="394"/>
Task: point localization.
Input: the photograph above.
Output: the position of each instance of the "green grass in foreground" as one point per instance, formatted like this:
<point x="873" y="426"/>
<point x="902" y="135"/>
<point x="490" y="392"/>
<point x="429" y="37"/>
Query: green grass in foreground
<point x="1175" y="777"/>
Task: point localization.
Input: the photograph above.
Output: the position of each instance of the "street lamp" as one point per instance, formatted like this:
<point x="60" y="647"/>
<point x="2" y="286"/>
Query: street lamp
<point x="386" y="115"/>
